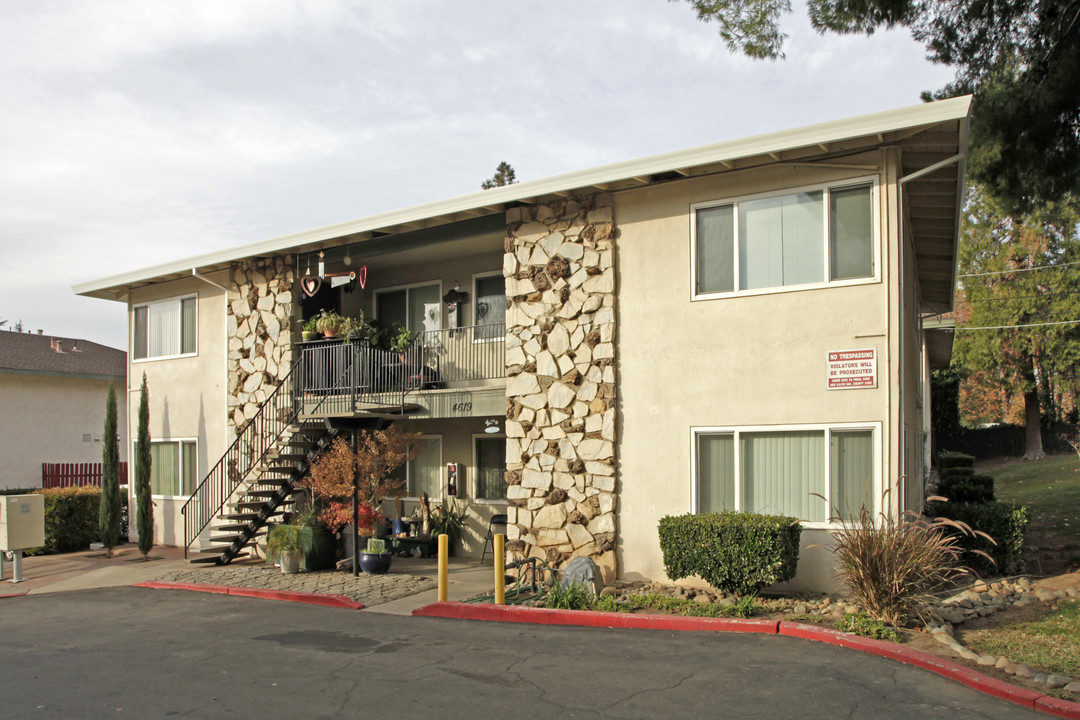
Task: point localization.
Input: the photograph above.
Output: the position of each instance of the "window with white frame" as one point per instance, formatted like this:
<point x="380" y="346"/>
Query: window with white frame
<point x="174" y="467"/>
<point x="811" y="473"/>
<point x="165" y="328"/>
<point x="424" y="473"/>
<point x="815" y="236"/>
<point x="489" y="308"/>
<point x="416" y="308"/>
<point x="489" y="454"/>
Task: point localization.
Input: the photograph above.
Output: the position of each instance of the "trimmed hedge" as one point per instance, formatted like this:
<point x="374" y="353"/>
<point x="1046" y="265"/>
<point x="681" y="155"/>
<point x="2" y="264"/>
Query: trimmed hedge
<point x="951" y="459"/>
<point x="969" y="489"/>
<point x="71" y="517"/>
<point x="1005" y="522"/>
<point x="733" y="552"/>
<point x="18" y="491"/>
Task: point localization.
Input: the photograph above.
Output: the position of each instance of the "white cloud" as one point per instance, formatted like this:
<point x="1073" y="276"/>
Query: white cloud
<point x="138" y="132"/>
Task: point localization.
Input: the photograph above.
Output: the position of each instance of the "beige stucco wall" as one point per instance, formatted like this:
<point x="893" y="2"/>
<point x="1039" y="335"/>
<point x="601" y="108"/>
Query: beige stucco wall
<point x="738" y="361"/>
<point x="44" y="420"/>
<point x="187" y="395"/>
<point x="456" y="271"/>
<point x="457" y="447"/>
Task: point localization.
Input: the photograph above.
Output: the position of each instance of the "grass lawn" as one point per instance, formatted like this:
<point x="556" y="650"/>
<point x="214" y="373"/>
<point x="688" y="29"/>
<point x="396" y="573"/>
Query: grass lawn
<point x="1049" y="642"/>
<point x="1049" y="488"/>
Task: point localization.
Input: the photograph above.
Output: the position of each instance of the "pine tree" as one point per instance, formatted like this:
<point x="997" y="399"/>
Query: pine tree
<point x="504" y="175"/>
<point x="1018" y="306"/>
<point x="145" y="504"/>
<point x="110" y="507"/>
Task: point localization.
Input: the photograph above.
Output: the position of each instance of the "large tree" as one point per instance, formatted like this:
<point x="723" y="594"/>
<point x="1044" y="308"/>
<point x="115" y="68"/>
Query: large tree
<point x="110" y="508"/>
<point x="1018" y="303"/>
<point x="143" y="464"/>
<point x="1021" y="58"/>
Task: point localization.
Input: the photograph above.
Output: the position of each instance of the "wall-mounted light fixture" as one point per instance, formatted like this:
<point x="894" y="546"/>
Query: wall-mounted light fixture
<point x="491" y="427"/>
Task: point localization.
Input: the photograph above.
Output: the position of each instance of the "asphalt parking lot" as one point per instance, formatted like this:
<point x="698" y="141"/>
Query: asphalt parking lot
<point x="140" y="653"/>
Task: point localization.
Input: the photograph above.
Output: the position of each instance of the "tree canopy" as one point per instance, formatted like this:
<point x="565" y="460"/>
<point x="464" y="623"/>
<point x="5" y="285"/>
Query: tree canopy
<point x="504" y="175"/>
<point x="1018" y="299"/>
<point x="1021" y="59"/>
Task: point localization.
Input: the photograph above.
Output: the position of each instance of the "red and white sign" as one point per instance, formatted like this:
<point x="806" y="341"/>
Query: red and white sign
<point x="847" y="369"/>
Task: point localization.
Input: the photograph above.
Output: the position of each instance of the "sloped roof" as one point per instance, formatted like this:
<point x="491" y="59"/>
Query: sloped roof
<point x="26" y="353"/>
<point x="932" y="138"/>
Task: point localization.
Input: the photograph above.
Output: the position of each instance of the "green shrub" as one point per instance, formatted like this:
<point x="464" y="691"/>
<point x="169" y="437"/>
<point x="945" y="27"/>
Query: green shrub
<point x="71" y="517"/>
<point x="571" y="597"/>
<point x="863" y="624"/>
<point x="969" y="489"/>
<point x="18" y="491"/>
<point x="608" y="603"/>
<point x="733" y="552"/>
<point x="1004" y="522"/>
<point x="946" y="460"/>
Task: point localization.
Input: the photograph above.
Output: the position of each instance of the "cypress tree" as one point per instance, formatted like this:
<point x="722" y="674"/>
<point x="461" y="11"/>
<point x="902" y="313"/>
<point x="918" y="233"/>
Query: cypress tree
<point x="145" y="509"/>
<point x="109" y="509"/>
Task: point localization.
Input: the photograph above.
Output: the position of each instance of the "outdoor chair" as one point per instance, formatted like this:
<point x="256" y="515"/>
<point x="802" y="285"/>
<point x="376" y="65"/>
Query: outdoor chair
<point x="489" y="539"/>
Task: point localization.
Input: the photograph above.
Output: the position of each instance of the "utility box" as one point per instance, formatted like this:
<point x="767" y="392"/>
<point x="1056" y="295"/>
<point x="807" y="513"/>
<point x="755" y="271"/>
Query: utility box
<point x="22" y="522"/>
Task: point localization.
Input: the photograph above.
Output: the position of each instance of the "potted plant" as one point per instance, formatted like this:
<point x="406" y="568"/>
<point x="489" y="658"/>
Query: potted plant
<point x="310" y="329"/>
<point x="374" y="559"/>
<point x="283" y="547"/>
<point x="449" y="519"/>
<point x="329" y="323"/>
<point x="401" y="342"/>
<point x="317" y="544"/>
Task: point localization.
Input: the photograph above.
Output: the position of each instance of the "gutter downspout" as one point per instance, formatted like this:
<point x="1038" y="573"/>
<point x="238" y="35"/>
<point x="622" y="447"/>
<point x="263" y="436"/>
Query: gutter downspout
<point x="901" y="182"/>
<point x="195" y="273"/>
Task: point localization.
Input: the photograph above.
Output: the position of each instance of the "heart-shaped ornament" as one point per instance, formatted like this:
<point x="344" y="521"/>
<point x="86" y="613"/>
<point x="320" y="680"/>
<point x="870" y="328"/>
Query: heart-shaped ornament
<point x="361" y="276"/>
<point x="310" y="284"/>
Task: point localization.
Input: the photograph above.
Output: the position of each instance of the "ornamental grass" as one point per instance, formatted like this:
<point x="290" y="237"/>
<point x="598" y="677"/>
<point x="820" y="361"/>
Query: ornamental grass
<point x="891" y="566"/>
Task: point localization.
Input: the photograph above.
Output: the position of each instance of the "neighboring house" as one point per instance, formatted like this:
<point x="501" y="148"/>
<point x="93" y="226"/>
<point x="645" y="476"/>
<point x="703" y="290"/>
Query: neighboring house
<point x="53" y="393"/>
<point x="732" y="326"/>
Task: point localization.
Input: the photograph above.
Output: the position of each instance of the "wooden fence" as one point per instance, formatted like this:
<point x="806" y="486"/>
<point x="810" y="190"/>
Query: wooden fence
<point x="60" y="475"/>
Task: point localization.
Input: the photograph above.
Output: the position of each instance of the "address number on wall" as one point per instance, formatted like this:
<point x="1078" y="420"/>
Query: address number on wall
<point x="461" y="407"/>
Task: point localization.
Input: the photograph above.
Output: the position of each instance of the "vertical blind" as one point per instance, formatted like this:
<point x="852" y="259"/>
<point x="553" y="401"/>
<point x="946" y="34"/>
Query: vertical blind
<point x="852" y="463"/>
<point x="716" y="473"/>
<point x="780" y="470"/>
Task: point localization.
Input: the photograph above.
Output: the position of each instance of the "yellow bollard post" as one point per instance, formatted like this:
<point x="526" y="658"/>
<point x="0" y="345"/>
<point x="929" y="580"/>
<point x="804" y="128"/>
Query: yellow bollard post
<point x="444" y="554"/>
<point x="500" y="569"/>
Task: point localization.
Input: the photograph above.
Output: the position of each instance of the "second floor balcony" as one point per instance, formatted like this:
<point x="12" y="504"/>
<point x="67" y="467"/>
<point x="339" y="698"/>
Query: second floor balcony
<point x="444" y="373"/>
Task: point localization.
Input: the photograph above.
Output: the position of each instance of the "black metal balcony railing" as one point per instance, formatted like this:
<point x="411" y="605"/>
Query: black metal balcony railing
<point x="351" y="376"/>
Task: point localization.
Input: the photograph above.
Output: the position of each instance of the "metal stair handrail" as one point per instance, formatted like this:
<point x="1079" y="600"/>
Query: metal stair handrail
<point x="278" y="412"/>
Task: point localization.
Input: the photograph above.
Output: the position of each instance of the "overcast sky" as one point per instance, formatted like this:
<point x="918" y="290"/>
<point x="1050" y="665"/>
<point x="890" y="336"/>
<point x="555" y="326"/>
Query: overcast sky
<point x="134" y="132"/>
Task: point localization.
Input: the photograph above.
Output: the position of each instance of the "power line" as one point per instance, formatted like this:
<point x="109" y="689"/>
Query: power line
<point x="1048" y="295"/>
<point x="1010" y="327"/>
<point x="1007" y="272"/>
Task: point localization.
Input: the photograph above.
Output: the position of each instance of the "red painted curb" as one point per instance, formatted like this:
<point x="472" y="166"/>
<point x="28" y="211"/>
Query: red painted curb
<point x="953" y="671"/>
<point x="945" y="668"/>
<point x="11" y="595"/>
<point x="325" y="600"/>
<point x="1061" y="708"/>
<point x="586" y="618"/>
<point x="194" y="587"/>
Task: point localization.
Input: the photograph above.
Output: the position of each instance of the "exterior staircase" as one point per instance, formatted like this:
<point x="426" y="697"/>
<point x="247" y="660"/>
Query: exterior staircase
<point x="266" y="497"/>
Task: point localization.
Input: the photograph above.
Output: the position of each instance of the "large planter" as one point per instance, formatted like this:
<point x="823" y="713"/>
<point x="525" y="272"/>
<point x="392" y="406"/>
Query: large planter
<point x="319" y="546"/>
<point x="375" y="563"/>
<point x="289" y="561"/>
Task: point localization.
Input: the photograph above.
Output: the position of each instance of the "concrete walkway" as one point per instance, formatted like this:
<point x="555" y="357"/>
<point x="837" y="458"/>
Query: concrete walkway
<point x="410" y="584"/>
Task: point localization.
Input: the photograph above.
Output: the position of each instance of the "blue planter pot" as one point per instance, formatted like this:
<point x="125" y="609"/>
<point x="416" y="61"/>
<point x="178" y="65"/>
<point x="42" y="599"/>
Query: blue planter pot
<point x="375" y="563"/>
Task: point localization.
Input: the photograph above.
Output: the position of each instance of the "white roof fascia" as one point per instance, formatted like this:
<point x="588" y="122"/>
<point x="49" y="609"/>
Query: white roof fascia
<point x="775" y="142"/>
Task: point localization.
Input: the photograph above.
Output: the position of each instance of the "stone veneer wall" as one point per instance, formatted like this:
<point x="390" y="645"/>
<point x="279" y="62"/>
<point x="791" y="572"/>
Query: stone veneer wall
<point x="259" y="330"/>
<point x="560" y="386"/>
